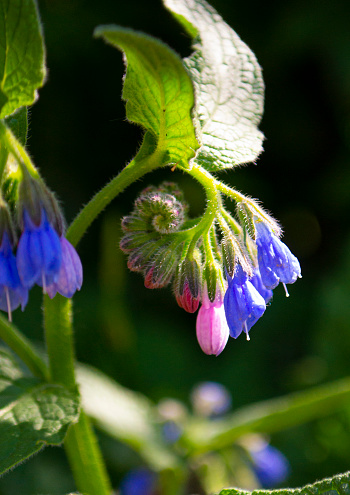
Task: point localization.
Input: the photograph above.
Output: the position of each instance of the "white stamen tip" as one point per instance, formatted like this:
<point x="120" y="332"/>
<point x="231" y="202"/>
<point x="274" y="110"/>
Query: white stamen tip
<point x="9" y="313"/>
<point x="286" y="290"/>
<point x="246" y="330"/>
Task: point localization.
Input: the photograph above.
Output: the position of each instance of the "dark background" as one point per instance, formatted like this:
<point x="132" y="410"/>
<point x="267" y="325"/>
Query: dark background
<point x="79" y="139"/>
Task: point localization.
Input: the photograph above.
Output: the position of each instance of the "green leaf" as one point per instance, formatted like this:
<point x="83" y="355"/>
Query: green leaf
<point x="337" y="485"/>
<point x="18" y="123"/>
<point x="32" y="413"/>
<point x="228" y="84"/>
<point x="158" y="93"/>
<point x="270" y="416"/>
<point x="22" y="57"/>
<point x="125" y="415"/>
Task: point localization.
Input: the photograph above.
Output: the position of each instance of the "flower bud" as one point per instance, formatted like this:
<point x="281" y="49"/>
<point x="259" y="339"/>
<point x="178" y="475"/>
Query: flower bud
<point x="187" y="285"/>
<point x="233" y="251"/>
<point x="212" y="329"/>
<point x="162" y="267"/>
<point x="139" y="259"/>
<point x="135" y="240"/>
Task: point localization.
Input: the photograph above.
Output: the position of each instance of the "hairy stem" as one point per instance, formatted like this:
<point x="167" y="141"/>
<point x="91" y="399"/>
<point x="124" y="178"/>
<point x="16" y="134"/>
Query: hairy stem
<point x="83" y="452"/>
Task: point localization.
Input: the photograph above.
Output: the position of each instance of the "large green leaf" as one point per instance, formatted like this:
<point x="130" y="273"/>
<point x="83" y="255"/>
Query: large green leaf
<point x="32" y="413"/>
<point x="125" y="415"/>
<point x="159" y="94"/>
<point x="22" y="57"/>
<point x="338" y="485"/>
<point x="228" y="84"/>
<point x="18" y="123"/>
<point x="270" y="416"/>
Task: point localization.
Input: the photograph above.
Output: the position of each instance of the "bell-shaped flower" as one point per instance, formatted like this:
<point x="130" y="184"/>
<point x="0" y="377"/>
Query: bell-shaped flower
<point x="70" y="276"/>
<point x="12" y="293"/>
<point x="244" y="305"/>
<point x="212" y="329"/>
<point x="39" y="252"/>
<point x="260" y="287"/>
<point x="276" y="262"/>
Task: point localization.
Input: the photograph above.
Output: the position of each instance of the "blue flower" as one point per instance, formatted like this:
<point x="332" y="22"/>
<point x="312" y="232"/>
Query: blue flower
<point x="260" y="287"/>
<point x="276" y="262"/>
<point x="39" y="252"/>
<point x="243" y="303"/>
<point x="12" y="293"/>
<point x="138" y="481"/>
<point x="70" y="276"/>
<point x="270" y="466"/>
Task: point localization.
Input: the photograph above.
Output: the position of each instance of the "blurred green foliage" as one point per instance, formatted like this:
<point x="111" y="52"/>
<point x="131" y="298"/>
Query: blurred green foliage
<point x="140" y="337"/>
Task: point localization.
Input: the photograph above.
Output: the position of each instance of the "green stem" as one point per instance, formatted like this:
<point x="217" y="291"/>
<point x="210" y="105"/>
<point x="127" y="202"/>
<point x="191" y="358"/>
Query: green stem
<point x="23" y="348"/>
<point x="17" y="150"/>
<point x="85" y="458"/>
<point x="132" y="172"/>
<point x="81" y="445"/>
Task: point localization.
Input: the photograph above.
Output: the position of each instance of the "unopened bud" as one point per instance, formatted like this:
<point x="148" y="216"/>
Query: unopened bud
<point x="162" y="267"/>
<point x="211" y="327"/>
<point x="187" y="285"/>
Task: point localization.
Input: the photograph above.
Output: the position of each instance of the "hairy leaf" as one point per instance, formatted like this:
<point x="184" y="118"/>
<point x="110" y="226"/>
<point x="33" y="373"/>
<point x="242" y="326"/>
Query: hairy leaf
<point x="125" y="415"/>
<point x="32" y="413"/>
<point x="22" y="65"/>
<point x="229" y="88"/>
<point x="337" y="485"/>
<point x="271" y="416"/>
<point x="158" y="94"/>
<point x="18" y="123"/>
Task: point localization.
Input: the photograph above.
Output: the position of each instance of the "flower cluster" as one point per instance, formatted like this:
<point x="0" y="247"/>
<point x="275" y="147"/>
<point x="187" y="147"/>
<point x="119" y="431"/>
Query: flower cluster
<point x="228" y="269"/>
<point x="43" y="255"/>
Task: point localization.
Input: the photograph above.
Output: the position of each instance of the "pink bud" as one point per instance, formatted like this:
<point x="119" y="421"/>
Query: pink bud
<point x="187" y="301"/>
<point x="212" y="328"/>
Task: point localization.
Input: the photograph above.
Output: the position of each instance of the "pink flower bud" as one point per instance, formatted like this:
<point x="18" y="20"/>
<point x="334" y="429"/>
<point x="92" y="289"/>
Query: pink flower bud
<point x="212" y="328"/>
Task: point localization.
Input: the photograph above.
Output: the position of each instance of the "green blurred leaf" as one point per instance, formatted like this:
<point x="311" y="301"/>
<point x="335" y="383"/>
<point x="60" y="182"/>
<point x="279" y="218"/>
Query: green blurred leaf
<point x="22" y="57"/>
<point x="32" y="413"/>
<point x="337" y="485"/>
<point x="228" y="84"/>
<point x="18" y="123"/>
<point x="158" y="92"/>
<point x="125" y="415"/>
<point x="270" y="416"/>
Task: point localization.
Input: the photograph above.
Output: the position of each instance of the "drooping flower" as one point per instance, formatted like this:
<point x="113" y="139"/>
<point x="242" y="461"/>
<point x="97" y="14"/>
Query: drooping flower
<point x="39" y="252"/>
<point x="12" y="293"/>
<point x="276" y="262"/>
<point x="211" y="327"/>
<point x="260" y="287"/>
<point x="244" y="305"/>
<point x="70" y="276"/>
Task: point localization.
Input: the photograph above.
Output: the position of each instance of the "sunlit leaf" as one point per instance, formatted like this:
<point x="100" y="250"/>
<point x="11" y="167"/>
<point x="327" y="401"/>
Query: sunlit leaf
<point x="158" y="94"/>
<point x="228" y="84"/>
<point x="22" y="58"/>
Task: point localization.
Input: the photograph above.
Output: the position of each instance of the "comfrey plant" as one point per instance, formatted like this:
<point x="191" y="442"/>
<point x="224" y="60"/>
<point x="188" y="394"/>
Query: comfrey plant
<point x="200" y="116"/>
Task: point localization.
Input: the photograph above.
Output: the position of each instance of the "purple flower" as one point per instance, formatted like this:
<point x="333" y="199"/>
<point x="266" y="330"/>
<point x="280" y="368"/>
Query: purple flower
<point x="276" y="262"/>
<point x="243" y="303"/>
<point x="260" y="287"/>
<point x="212" y="329"/>
<point x="138" y="481"/>
<point x="39" y="252"/>
<point x="12" y="293"/>
<point x="70" y="276"/>
<point x="270" y="466"/>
